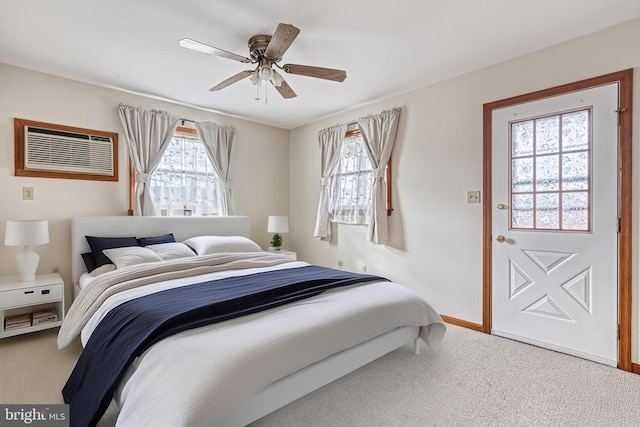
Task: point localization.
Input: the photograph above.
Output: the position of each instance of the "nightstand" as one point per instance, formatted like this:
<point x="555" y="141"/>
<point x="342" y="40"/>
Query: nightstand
<point x="284" y="252"/>
<point x="17" y="298"/>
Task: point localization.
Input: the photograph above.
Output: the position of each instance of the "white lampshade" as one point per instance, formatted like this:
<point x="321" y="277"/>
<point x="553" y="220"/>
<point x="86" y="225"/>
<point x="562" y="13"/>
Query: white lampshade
<point x="278" y="224"/>
<point x="27" y="234"/>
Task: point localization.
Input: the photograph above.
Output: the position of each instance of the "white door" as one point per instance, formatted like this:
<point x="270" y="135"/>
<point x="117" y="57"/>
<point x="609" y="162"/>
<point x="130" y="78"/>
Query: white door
<point x="555" y="223"/>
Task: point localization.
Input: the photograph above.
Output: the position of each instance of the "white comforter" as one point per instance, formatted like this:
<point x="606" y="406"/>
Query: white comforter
<point x="194" y="377"/>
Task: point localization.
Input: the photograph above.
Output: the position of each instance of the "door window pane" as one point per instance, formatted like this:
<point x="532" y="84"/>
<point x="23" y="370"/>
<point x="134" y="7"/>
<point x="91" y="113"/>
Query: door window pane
<point x="575" y="210"/>
<point x="522" y="175"/>
<point x="547" y="211"/>
<point x="550" y="172"/>
<point x="522" y="210"/>
<point x="575" y="171"/>
<point x="547" y="173"/>
<point x="522" y="139"/>
<point x="547" y="138"/>
<point x="575" y="131"/>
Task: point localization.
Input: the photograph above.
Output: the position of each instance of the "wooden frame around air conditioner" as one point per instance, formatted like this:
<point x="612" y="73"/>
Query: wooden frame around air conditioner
<point x="20" y="170"/>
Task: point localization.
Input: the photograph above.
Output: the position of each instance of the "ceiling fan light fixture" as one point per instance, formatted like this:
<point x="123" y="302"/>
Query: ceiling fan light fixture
<point x="255" y="78"/>
<point x="276" y="79"/>
<point x="266" y="73"/>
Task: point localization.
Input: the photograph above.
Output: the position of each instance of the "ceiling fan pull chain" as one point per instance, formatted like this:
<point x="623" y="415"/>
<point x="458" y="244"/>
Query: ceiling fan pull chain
<point x="257" y="93"/>
<point x="266" y="98"/>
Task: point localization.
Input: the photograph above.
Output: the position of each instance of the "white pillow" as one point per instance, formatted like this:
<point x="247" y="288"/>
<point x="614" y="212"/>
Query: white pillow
<point x="171" y="250"/>
<point x="131" y="255"/>
<point x="205" y="245"/>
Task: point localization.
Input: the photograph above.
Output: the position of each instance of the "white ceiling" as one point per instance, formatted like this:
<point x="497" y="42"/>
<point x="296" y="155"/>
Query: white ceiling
<point x="386" y="47"/>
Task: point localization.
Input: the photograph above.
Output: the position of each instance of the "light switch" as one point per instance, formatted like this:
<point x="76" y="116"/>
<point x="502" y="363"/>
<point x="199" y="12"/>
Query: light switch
<point x="473" y="196"/>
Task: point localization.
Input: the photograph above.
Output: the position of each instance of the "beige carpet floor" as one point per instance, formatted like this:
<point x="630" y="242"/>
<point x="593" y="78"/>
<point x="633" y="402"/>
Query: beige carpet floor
<point x="473" y="379"/>
<point x="32" y="369"/>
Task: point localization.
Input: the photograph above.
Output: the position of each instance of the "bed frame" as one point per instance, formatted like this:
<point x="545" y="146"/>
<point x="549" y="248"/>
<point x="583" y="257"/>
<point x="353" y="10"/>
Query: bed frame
<point x="281" y="392"/>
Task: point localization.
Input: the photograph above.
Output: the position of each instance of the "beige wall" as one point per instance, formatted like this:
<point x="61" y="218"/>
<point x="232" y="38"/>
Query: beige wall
<point x="436" y="237"/>
<point x="41" y="97"/>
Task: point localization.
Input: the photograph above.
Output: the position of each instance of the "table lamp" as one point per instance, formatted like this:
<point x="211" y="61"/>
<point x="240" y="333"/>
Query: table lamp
<point x="277" y="224"/>
<point x="27" y="234"/>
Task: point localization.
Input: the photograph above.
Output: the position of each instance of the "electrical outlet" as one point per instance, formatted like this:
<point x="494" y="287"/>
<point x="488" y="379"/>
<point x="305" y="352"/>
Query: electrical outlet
<point x="340" y="263"/>
<point x="27" y="193"/>
<point x="473" y="196"/>
<point x="364" y="268"/>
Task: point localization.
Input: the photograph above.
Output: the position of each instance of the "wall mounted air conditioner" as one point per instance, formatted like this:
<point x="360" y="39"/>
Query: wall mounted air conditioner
<point x="67" y="152"/>
<point x="53" y="150"/>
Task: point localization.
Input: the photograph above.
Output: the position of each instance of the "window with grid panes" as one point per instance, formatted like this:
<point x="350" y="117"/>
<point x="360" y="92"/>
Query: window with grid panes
<point x="352" y="183"/>
<point x="185" y="183"/>
<point x="551" y="173"/>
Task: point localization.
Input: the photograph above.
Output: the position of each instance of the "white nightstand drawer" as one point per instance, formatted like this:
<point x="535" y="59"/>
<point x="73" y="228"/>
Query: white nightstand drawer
<point x="30" y="296"/>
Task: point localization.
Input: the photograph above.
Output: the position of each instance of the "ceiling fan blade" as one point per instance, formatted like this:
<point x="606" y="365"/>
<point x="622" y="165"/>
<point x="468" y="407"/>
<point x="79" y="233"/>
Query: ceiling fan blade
<point x="317" y="72"/>
<point x="285" y="90"/>
<point x="201" y="47"/>
<point x="231" y="80"/>
<point x="280" y="41"/>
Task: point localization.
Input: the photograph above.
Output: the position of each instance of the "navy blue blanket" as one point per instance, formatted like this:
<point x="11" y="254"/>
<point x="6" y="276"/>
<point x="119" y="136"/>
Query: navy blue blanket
<point x="131" y="328"/>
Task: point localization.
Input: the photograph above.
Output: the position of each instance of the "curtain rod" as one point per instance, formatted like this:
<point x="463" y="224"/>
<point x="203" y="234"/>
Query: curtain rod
<point x="186" y="120"/>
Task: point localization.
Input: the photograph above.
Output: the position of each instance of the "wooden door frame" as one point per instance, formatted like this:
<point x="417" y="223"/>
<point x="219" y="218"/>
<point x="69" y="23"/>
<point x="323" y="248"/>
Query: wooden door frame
<point x="625" y="80"/>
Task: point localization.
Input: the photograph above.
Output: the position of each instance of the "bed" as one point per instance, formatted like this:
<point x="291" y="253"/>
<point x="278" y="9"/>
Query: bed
<point x="229" y="370"/>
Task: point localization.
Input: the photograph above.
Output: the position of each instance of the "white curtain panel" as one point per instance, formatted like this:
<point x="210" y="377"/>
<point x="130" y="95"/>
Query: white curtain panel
<point x="379" y="135"/>
<point x="147" y="134"/>
<point x="218" y="141"/>
<point x="329" y="140"/>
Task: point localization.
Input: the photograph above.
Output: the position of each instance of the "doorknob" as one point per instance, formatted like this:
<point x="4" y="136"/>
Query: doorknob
<point x="501" y="206"/>
<point x="500" y="238"/>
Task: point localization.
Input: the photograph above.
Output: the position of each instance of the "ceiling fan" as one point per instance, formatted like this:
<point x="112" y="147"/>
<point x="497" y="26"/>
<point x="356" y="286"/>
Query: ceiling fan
<point x="266" y="51"/>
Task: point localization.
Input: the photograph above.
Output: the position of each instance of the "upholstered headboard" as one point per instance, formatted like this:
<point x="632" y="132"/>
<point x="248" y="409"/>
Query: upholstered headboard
<point x="144" y="226"/>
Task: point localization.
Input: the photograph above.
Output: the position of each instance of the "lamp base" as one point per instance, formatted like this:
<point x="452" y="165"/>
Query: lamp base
<point x="27" y="260"/>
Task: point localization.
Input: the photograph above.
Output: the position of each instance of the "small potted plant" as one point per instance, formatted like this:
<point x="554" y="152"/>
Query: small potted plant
<point x="276" y="242"/>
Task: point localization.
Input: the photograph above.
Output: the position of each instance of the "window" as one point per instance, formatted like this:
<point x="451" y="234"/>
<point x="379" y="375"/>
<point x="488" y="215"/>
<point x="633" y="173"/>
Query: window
<point x="550" y="172"/>
<point x="352" y="183"/>
<point x="184" y="183"/>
